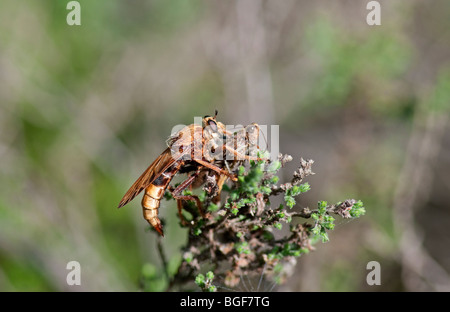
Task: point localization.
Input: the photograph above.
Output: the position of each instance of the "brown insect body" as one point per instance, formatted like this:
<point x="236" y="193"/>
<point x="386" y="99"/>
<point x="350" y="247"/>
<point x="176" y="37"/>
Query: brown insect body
<point x="153" y="194"/>
<point x="156" y="179"/>
<point x="182" y="155"/>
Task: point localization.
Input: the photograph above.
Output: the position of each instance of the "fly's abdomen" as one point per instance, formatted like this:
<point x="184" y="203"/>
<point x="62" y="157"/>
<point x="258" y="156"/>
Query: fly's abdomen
<point x="153" y="194"/>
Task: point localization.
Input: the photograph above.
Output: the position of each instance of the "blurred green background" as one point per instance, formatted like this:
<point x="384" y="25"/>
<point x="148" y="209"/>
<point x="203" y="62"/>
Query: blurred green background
<point x="85" y="109"/>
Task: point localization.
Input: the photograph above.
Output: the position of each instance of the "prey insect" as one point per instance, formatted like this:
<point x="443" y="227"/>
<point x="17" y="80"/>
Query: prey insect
<point x="241" y="145"/>
<point x="188" y="151"/>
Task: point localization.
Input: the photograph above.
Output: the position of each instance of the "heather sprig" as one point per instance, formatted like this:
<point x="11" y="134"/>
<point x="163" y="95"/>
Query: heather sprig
<point x="245" y="234"/>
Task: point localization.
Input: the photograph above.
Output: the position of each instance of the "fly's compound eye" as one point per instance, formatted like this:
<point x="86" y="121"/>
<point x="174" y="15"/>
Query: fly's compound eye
<point x="250" y="129"/>
<point x="213" y="125"/>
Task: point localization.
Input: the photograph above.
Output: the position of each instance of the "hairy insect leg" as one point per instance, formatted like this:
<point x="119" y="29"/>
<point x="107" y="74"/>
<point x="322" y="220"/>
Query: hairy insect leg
<point x="177" y="195"/>
<point x="179" y="206"/>
<point x="216" y="169"/>
<point x="220" y="183"/>
<point x="180" y="214"/>
<point x="242" y="156"/>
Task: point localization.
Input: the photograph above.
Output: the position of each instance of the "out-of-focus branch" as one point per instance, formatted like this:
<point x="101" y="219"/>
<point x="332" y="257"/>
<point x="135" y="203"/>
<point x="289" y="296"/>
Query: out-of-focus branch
<point x="420" y="271"/>
<point x="238" y="45"/>
<point x="254" y="59"/>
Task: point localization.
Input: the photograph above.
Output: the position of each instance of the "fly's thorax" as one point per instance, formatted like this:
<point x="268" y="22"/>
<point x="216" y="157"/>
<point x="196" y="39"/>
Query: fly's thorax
<point x="213" y="149"/>
<point x="184" y="143"/>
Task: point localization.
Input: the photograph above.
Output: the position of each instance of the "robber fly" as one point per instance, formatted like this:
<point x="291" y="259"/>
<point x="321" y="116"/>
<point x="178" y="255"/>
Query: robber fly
<point x="182" y="154"/>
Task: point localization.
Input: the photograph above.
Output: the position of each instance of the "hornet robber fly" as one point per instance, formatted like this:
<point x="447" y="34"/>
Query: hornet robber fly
<point x="188" y="151"/>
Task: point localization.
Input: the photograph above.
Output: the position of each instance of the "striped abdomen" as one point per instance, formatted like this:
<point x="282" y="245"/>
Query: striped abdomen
<point x="153" y="194"/>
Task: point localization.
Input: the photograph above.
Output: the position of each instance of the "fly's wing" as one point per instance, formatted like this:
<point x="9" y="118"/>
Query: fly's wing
<point x="164" y="161"/>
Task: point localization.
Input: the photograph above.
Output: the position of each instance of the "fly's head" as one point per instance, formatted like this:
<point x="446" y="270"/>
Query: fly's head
<point x="214" y="138"/>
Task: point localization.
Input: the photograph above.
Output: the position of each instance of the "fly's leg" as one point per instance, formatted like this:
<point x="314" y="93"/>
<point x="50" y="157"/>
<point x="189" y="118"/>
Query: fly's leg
<point x="180" y="208"/>
<point x="176" y="193"/>
<point x="216" y="169"/>
<point x="242" y="156"/>
<point x="220" y="183"/>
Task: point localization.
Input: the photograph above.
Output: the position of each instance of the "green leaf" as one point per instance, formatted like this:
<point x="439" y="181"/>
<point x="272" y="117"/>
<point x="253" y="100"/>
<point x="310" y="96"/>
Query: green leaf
<point x="274" y="166"/>
<point x="298" y="189"/>
<point x="296" y="253"/>
<point x="188" y="257"/>
<point x="328" y="225"/>
<point x="304" y="250"/>
<point x="200" y="280"/>
<point x="305" y="187"/>
<point x="242" y="247"/>
<point x="213" y="207"/>
<point x="265" y="189"/>
<point x="290" y="201"/>
<point x="250" y="200"/>
<point x="274" y="180"/>
<point x="316" y="230"/>
<point x="168" y="195"/>
<point x="210" y="275"/>
<point x="322" y="207"/>
<point x="278" y="226"/>
<point x="202" y="196"/>
<point x="324" y="237"/>
<point x="234" y="195"/>
<point x="268" y="236"/>
<point x="357" y="210"/>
